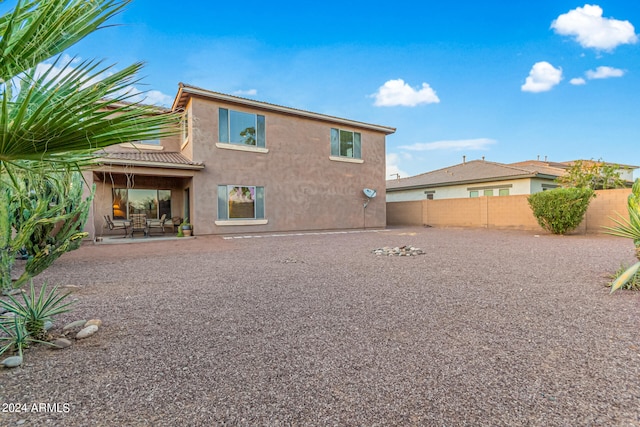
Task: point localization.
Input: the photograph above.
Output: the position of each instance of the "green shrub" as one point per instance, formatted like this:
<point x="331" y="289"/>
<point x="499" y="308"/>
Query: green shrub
<point x="560" y="210"/>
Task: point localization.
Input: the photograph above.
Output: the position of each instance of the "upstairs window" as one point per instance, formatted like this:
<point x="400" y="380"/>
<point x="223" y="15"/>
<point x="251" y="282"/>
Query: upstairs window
<point x="240" y="202"/>
<point x="236" y="127"/>
<point x="184" y="126"/>
<point x="345" y="143"/>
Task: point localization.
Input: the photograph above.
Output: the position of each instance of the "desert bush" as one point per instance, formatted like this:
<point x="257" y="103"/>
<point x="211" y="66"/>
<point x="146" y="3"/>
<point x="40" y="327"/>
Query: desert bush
<point x="629" y="228"/>
<point x="560" y="210"/>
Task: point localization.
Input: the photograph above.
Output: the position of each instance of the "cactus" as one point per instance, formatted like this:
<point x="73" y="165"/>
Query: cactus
<point x="42" y="214"/>
<point x="7" y="257"/>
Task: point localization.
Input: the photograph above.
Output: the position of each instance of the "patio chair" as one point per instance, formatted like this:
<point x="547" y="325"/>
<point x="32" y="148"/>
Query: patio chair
<point x="159" y="223"/>
<point x="124" y="225"/>
<point x="139" y="223"/>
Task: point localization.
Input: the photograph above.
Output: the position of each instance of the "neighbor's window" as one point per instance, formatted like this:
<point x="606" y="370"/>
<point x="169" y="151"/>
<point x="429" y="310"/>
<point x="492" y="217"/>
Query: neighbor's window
<point x="488" y="193"/>
<point x="473" y="193"/>
<point x="345" y="143"/>
<point x="503" y="192"/>
<point x="240" y="202"/>
<point x="236" y="127"/>
<point x="153" y="203"/>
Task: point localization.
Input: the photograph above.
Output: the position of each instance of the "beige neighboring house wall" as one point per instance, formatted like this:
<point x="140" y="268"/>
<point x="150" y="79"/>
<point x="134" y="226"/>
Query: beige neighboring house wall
<point x="304" y="186"/>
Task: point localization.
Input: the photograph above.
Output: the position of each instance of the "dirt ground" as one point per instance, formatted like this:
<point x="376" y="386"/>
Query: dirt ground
<point x="488" y="328"/>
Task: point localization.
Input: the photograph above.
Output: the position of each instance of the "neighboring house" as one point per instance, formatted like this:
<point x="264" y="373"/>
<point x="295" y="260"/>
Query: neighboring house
<point x="473" y="179"/>
<point x="241" y="166"/>
<point x="483" y="178"/>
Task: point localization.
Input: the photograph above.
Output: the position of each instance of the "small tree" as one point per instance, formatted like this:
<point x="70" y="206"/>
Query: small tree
<point x="560" y="210"/>
<point x="596" y="175"/>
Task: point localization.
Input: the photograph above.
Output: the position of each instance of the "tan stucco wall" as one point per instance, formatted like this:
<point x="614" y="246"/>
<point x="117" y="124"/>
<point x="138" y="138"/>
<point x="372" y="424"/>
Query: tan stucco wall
<point x="304" y="189"/>
<point x="508" y="212"/>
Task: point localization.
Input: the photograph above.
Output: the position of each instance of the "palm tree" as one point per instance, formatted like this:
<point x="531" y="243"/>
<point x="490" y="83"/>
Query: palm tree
<point x="62" y="115"/>
<point x="55" y="118"/>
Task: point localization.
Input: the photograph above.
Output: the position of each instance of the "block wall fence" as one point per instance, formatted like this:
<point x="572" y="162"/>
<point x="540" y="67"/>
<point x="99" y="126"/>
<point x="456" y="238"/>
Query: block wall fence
<point x="505" y="212"/>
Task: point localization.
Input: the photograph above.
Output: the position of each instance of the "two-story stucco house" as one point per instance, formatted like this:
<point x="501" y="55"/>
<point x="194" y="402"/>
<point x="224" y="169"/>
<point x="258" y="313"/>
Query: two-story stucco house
<point x="242" y="165"/>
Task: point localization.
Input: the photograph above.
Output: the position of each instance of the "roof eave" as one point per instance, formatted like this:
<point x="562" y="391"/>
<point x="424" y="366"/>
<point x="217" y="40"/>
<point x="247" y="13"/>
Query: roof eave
<point x="124" y="162"/>
<point x="183" y="90"/>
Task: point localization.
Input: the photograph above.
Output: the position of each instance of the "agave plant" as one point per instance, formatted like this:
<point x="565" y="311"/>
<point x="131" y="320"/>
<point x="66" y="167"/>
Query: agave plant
<point x="629" y="228"/>
<point x="14" y="338"/>
<point x="35" y="311"/>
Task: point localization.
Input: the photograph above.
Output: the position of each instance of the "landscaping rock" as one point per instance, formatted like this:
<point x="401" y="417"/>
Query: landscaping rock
<point x="60" y="343"/>
<point x="73" y="325"/>
<point x="96" y="322"/>
<point x="399" y="251"/>
<point x="87" y="332"/>
<point x="48" y="325"/>
<point x="12" y="362"/>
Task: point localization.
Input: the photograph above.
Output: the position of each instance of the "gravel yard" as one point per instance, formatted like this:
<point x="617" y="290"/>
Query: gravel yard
<point x="495" y="328"/>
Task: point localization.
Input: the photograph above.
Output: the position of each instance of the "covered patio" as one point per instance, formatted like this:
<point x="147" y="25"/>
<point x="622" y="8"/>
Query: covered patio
<point x="140" y="195"/>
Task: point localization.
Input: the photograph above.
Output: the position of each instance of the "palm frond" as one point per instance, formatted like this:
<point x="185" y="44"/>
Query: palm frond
<point x="40" y="29"/>
<point x="73" y="110"/>
<point x="628" y="228"/>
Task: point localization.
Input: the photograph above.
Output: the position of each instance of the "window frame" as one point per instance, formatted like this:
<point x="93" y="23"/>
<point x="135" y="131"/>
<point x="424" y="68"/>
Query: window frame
<point x="127" y="202"/>
<point x="336" y="144"/>
<point x="224" y="204"/>
<point x="224" y="129"/>
<point x="184" y="126"/>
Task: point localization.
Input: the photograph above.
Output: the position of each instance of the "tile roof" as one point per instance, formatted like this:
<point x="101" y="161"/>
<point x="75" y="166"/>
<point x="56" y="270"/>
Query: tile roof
<point x="157" y="159"/>
<point x="470" y="172"/>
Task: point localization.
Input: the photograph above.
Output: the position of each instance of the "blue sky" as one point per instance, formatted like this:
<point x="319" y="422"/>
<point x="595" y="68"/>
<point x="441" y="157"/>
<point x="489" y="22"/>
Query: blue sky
<point x="509" y="81"/>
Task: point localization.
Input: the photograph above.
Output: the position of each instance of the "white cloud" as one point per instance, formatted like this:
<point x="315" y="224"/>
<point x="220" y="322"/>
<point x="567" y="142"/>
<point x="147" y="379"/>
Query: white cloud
<point x="154" y="97"/>
<point x="604" y="73"/>
<point x="591" y="30"/>
<point x="542" y="77"/>
<point x="398" y="93"/>
<point x="577" y="81"/>
<point x="250" y="92"/>
<point x="454" y="145"/>
<point x="66" y="66"/>
<point x="393" y="167"/>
